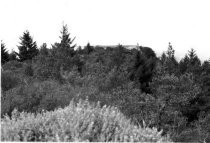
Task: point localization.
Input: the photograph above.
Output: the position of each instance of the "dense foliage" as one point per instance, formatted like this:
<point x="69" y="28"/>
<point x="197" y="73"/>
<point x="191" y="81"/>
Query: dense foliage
<point x="77" y="122"/>
<point x="151" y="91"/>
<point x="4" y="54"/>
<point x="28" y="48"/>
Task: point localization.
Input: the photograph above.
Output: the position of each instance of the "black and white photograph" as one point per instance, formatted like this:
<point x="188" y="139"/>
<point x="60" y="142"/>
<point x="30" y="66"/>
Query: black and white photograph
<point x="105" y="71"/>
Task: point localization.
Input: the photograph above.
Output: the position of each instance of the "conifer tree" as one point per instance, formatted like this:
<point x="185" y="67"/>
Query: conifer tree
<point x="163" y="58"/>
<point x="194" y="65"/>
<point x="183" y="64"/>
<point x="143" y="68"/>
<point x="43" y="50"/>
<point x="66" y="47"/>
<point x="64" y="51"/>
<point x="13" y="56"/>
<point x="193" y="58"/>
<point x="88" y="48"/>
<point x="171" y="63"/>
<point x="4" y="54"/>
<point x="28" y="48"/>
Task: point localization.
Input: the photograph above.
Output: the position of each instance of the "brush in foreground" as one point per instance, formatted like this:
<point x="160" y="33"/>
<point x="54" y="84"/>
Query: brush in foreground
<point x="77" y="122"/>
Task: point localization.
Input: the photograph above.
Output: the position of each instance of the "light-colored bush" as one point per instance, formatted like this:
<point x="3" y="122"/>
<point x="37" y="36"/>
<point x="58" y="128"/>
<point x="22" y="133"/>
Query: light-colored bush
<point x="76" y="122"/>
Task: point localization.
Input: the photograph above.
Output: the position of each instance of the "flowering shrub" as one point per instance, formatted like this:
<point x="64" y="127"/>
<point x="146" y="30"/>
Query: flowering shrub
<point x="76" y="122"/>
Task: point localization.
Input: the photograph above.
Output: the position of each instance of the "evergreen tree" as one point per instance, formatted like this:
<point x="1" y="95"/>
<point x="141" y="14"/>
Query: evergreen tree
<point x="79" y="50"/>
<point x="143" y="68"/>
<point x="194" y="65"/>
<point x="183" y="64"/>
<point x="44" y="50"/>
<point x="171" y="64"/>
<point x="163" y="58"/>
<point x="66" y="47"/>
<point x="88" y="48"/>
<point x="13" y="56"/>
<point x="118" y="56"/>
<point x="28" y="48"/>
<point x="193" y="58"/>
<point x="64" y="51"/>
<point x="4" y="54"/>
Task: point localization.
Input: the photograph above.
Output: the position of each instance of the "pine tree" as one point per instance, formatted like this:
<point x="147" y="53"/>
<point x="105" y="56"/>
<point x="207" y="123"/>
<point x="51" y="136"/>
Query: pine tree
<point x="193" y="58"/>
<point x="163" y="58"/>
<point x="28" y="48"/>
<point x="44" y="50"/>
<point x="13" y="56"/>
<point x="66" y="47"/>
<point x="64" y="51"/>
<point x="194" y="65"/>
<point x="183" y="64"/>
<point x="171" y="63"/>
<point x="88" y="48"/>
<point x="4" y="54"/>
<point x="171" y="51"/>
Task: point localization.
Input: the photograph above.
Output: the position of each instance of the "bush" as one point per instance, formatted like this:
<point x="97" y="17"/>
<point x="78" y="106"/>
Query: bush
<point x="37" y="96"/>
<point x="28" y="70"/>
<point x="77" y="122"/>
<point x="46" y="67"/>
<point x="9" y="80"/>
<point x="172" y="96"/>
<point x="13" y="65"/>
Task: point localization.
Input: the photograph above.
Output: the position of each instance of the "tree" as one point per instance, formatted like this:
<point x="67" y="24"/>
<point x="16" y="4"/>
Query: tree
<point x="194" y="65"/>
<point x="171" y="64"/>
<point x="173" y="96"/>
<point x="88" y="49"/>
<point x="143" y="68"/>
<point x="183" y="64"/>
<point x="163" y="58"/>
<point x="66" y="47"/>
<point x="118" y="57"/>
<point x="13" y="56"/>
<point x="4" y="54"/>
<point x="64" y="51"/>
<point x="49" y="62"/>
<point x="79" y="50"/>
<point x="28" y="48"/>
<point x="44" y="50"/>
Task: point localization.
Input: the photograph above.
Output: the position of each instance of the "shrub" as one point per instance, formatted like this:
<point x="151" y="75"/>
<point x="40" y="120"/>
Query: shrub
<point x="77" y="122"/>
<point x="46" y="67"/>
<point x="9" y="80"/>
<point x="13" y="65"/>
<point x="36" y="96"/>
<point x="171" y="99"/>
<point x="28" y="70"/>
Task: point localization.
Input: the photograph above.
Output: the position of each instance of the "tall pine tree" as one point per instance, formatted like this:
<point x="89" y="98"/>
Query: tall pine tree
<point x="65" y="48"/>
<point x="28" y="48"/>
<point x="171" y="63"/>
<point x="194" y="65"/>
<point x="64" y="51"/>
<point x="4" y="54"/>
<point x="183" y="64"/>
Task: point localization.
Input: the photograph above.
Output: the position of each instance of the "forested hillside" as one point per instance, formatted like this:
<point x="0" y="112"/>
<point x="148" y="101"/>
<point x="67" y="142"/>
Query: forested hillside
<point x="161" y="92"/>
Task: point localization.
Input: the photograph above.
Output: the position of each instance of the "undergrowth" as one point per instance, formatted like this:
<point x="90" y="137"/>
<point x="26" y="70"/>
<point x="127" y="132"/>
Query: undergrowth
<point x="80" y="121"/>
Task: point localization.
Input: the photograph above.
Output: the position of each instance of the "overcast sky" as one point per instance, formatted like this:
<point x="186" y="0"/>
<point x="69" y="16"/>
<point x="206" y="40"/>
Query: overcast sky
<point x="152" y="23"/>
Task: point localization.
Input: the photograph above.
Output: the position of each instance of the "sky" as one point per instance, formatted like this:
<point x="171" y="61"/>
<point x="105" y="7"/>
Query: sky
<point x="151" y="23"/>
